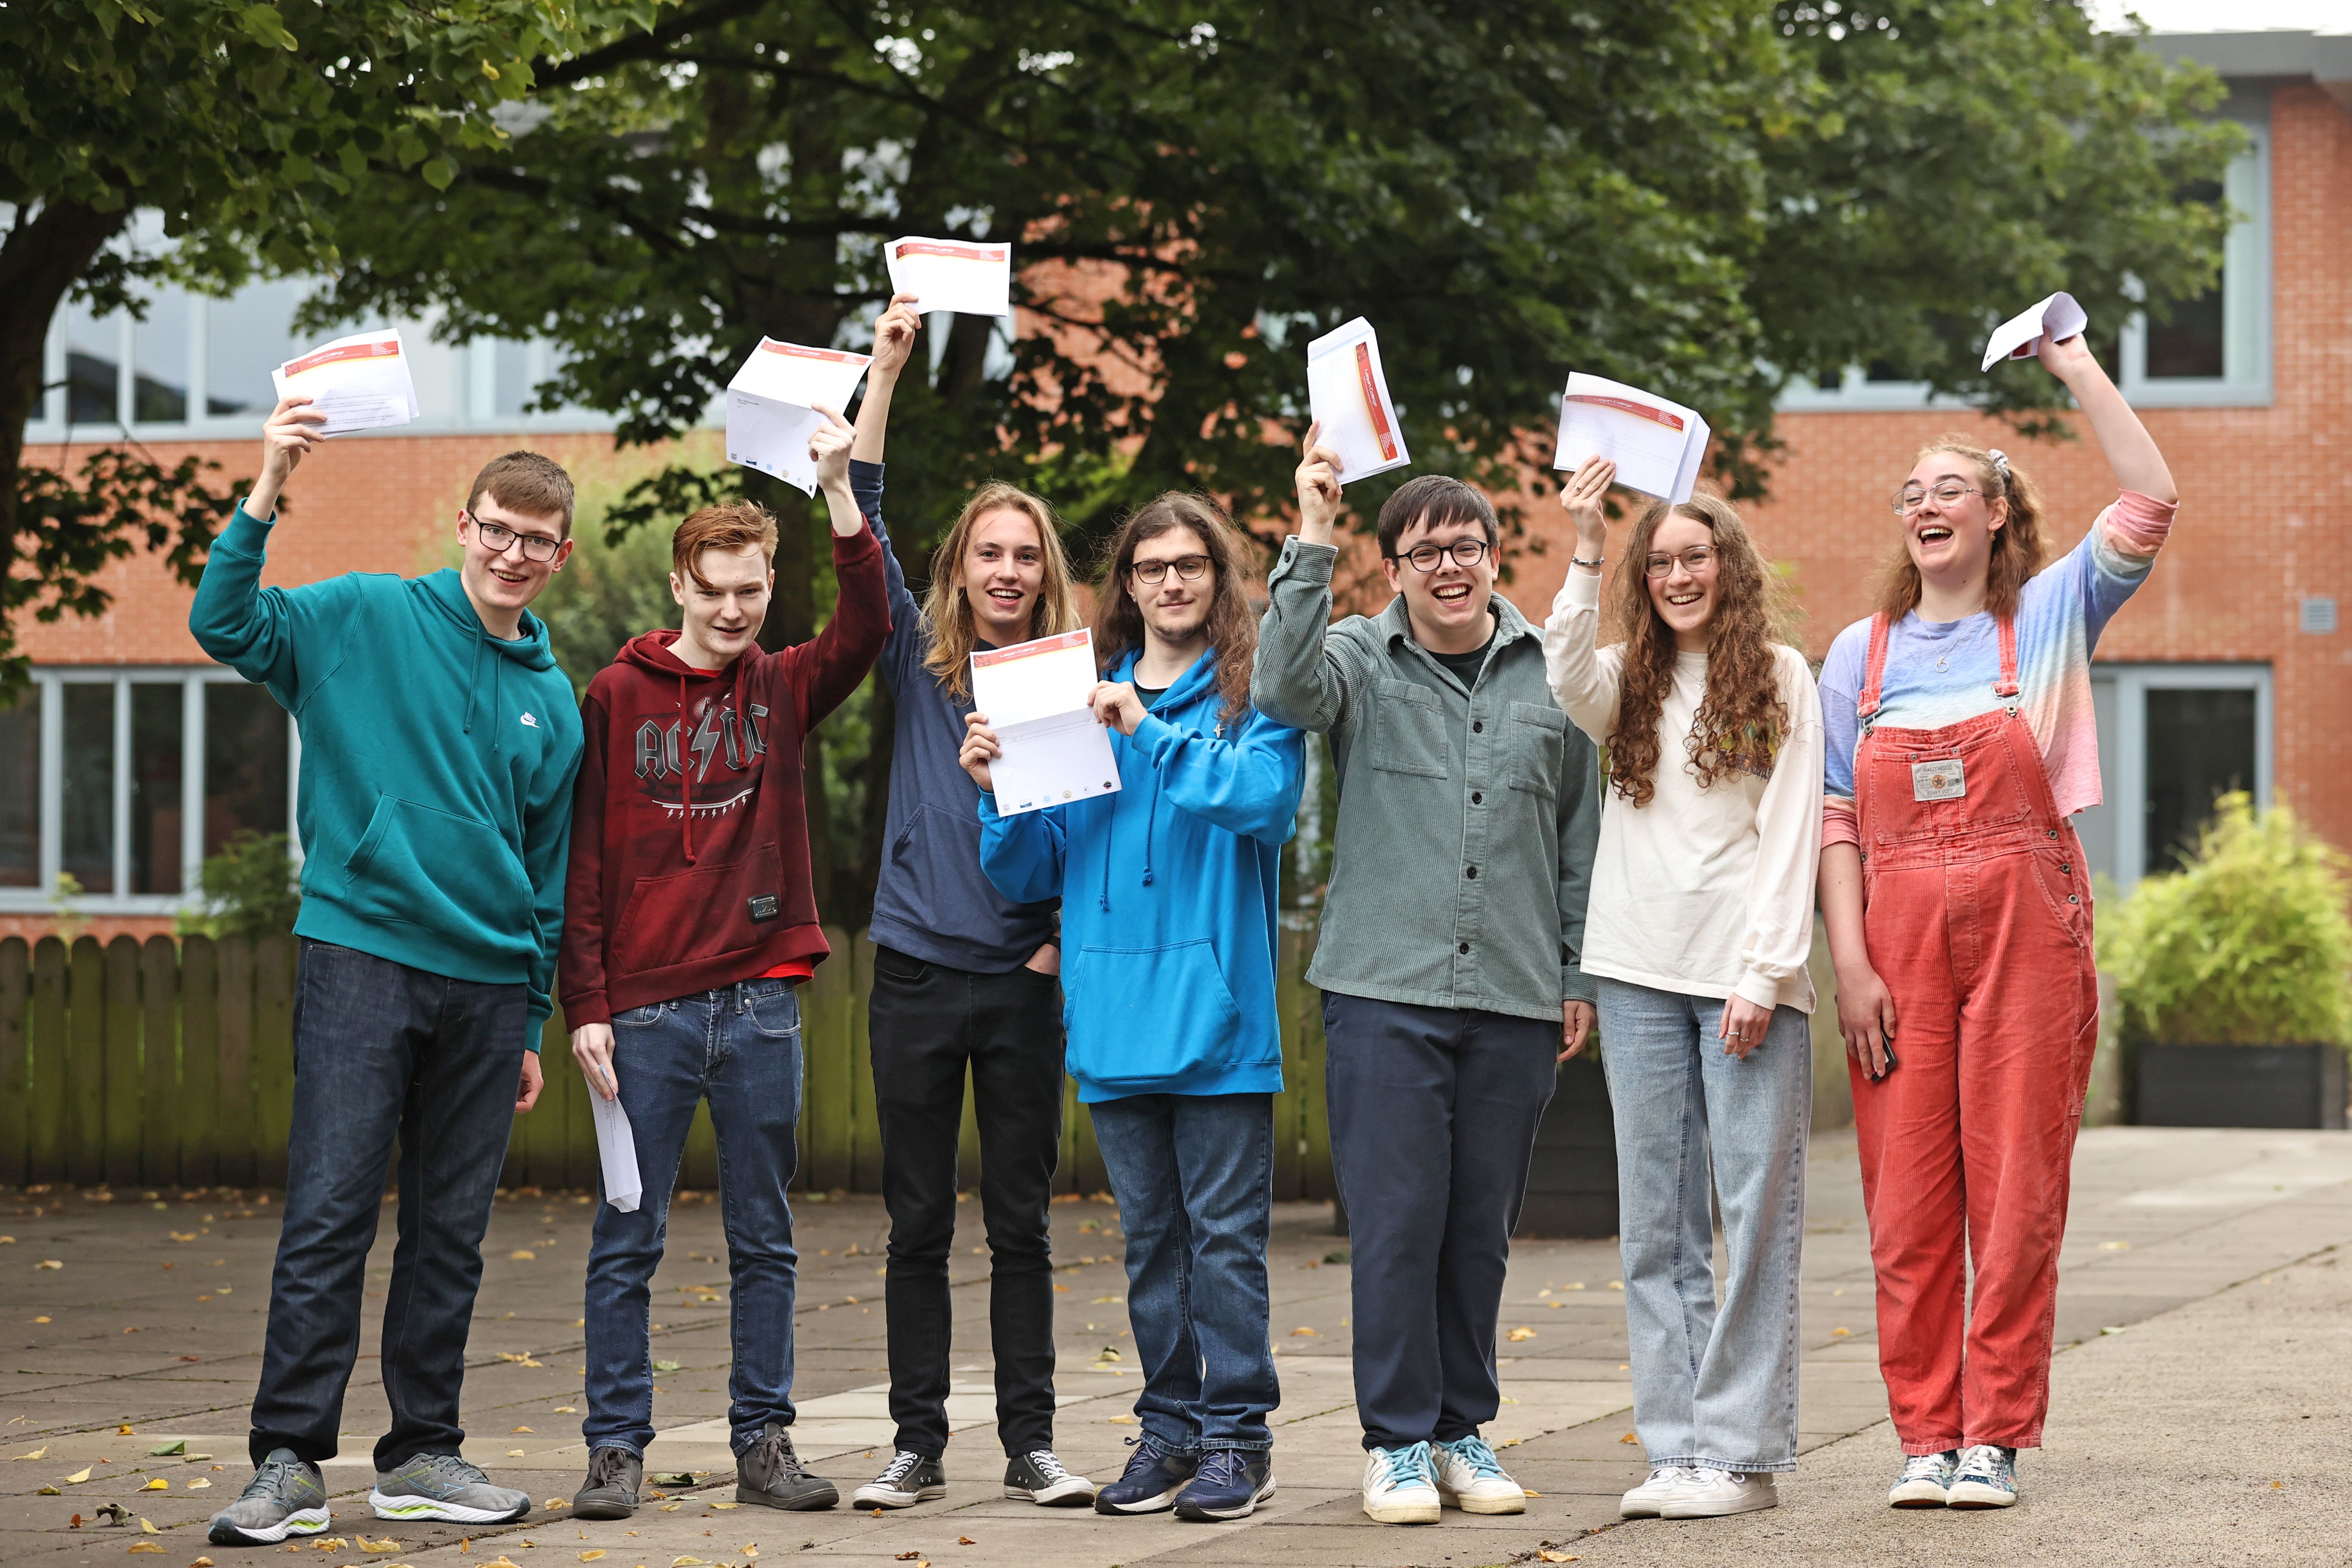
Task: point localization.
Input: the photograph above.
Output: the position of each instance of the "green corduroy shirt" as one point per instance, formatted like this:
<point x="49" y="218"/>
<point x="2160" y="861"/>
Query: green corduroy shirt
<point x="1467" y="817"/>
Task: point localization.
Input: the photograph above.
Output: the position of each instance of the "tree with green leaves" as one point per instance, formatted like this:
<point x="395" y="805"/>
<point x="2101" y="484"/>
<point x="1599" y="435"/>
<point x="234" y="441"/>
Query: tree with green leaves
<point x="1709" y="197"/>
<point x="246" y="127"/>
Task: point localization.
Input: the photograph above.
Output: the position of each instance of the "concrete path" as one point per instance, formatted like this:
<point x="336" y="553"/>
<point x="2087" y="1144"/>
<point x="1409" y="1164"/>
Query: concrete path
<point x="2215" y="1253"/>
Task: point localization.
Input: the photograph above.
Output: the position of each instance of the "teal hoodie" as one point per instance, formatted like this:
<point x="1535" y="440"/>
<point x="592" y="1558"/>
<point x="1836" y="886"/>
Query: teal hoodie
<point x="434" y="801"/>
<point x="1167" y="890"/>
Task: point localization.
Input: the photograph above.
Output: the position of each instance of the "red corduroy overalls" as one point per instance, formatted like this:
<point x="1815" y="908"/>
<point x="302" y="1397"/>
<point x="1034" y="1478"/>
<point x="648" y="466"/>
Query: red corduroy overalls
<point x="1977" y="915"/>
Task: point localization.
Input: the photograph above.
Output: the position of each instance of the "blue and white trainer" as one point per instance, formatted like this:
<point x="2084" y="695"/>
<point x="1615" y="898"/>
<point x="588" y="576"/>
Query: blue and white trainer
<point x="444" y="1487"/>
<point x="1926" y="1481"/>
<point x="285" y="1497"/>
<point x="1471" y="1479"/>
<point x="1401" y="1485"/>
<point x="1987" y="1478"/>
<point x="1229" y="1484"/>
<point x="1154" y="1477"/>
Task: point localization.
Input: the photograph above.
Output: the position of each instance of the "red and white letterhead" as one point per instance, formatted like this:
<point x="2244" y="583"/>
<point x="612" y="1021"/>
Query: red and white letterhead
<point x="1035" y="696"/>
<point x="771" y="406"/>
<point x="1347" y="394"/>
<point x="970" y="277"/>
<point x="359" y="383"/>
<point x="1656" y="445"/>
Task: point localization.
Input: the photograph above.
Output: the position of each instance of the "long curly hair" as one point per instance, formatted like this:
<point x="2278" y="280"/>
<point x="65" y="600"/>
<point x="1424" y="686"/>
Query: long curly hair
<point x="2018" y="547"/>
<point x="1742" y="719"/>
<point x="947" y="613"/>
<point x="1231" y="625"/>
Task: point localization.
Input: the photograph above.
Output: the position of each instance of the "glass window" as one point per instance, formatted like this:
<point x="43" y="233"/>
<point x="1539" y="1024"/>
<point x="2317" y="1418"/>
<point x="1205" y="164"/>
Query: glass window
<point x="244" y="762"/>
<point x="247" y="337"/>
<point x="157" y="712"/>
<point x="2200" y="745"/>
<point x="159" y="361"/>
<point x="93" y="367"/>
<point x="512" y="383"/>
<point x="89" y="844"/>
<point x="20" y="792"/>
<point x="2191" y="344"/>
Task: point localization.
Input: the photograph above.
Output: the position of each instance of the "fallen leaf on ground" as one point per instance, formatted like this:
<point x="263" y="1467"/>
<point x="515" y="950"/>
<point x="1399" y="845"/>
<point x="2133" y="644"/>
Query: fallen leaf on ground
<point x="525" y="1430"/>
<point x="169" y="1450"/>
<point x="673" y="1478"/>
<point x="672" y="1507"/>
<point x="2111" y="1331"/>
<point x="124" y="1431"/>
<point x="1629" y="1437"/>
<point x="1522" y="1333"/>
<point x="557" y="1502"/>
<point x="1064" y="1290"/>
<point x="147" y="1529"/>
<point x="724" y="1505"/>
<point x="49" y="1492"/>
<point x="524" y="1255"/>
<point x="514" y="1453"/>
<point x="1510" y="1442"/>
<point x="1531" y="1491"/>
<point x="908" y="1557"/>
<point x="665" y="1366"/>
<point x="2115" y="1246"/>
<point x="1123" y="1420"/>
<point x="48" y="1263"/>
<point x="78" y="1476"/>
<point x="1841" y="1333"/>
<point x="158" y="1485"/>
<point x="699" y="1563"/>
<point x="1108" y="1301"/>
<point x="565" y="1410"/>
<point x="592" y="1556"/>
<point x="966" y="1540"/>
<point x="1556" y="1557"/>
<point x="198" y="1485"/>
<point x="387" y="1544"/>
<point x="41" y="1452"/>
<point x="148" y="1546"/>
<point x="202" y="1563"/>
<point x="1301" y="1329"/>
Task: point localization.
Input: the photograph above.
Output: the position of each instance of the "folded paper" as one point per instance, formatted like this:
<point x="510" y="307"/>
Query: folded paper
<point x="771" y="406"/>
<point x="359" y="383"/>
<point x="973" y="278"/>
<point x="1054" y="750"/>
<point x="2020" y="337"/>
<point x="1658" y="445"/>
<point x="1347" y="394"/>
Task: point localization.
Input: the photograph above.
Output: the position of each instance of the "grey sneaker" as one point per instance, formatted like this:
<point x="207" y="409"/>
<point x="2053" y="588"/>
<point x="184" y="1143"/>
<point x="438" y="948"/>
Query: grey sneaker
<point x="443" y="1485"/>
<point x="285" y="1497"/>
<point x="1038" y="1477"/>
<point x="906" y="1481"/>
<point x="769" y="1474"/>
<point x="614" y="1478"/>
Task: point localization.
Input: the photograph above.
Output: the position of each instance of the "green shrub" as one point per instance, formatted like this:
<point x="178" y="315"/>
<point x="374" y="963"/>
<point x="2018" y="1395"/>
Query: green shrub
<point x="2248" y="945"/>
<point x="251" y="888"/>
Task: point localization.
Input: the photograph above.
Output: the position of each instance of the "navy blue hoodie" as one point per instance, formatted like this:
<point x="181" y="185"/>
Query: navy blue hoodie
<point x="931" y="901"/>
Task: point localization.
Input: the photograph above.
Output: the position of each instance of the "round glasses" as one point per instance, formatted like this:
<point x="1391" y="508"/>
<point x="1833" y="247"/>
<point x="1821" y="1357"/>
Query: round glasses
<point x="1189" y="568"/>
<point x="498" y="539"/>
<point x="1695" y="559"/>
<point x="1429" y="557"/>
<point x="1911" y="498"/>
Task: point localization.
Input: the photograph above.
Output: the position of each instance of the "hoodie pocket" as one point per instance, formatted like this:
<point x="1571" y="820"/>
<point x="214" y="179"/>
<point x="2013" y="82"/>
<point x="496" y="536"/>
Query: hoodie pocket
<point x="1141" y="1017"/>
<point x="940" y="851"/>
<point x="452" y="875"/>
<point x="702" y="913"/>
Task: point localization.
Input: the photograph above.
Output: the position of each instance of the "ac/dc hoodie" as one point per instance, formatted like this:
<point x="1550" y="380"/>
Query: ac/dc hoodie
<point x="689" y="829"/>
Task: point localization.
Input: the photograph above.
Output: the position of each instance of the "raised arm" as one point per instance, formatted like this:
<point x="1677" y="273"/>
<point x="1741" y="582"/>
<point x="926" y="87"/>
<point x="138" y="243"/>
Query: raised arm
<point x="254" y="630"/>
<point x="826" y="668"/>
<point x="894" y="338"/>
<point x="1299" y="679"/>
<point x="2132" y="453"/>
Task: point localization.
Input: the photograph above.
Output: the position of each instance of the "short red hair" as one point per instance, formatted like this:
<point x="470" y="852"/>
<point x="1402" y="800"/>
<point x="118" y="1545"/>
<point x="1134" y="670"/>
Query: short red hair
<point x="730" y="526"/>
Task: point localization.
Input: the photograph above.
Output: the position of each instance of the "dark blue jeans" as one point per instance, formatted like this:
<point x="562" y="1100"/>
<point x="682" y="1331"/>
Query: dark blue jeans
<point x="1194" y="1176"/>
<point x="383" y="1052"/>
<point x="740" y="1048"/>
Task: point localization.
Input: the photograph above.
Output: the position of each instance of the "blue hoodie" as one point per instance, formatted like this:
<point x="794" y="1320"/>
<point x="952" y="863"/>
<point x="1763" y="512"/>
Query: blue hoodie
<point x="435" y="804"/>
<point x="1168" y="897"/>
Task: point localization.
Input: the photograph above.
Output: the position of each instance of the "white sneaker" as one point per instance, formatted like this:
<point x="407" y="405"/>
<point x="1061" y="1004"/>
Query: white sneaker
<point x="1926" y="1481"/>
<point x="1471" y="1479"/>
<point x="1644" y="1501"/>
<point x="1401" y="1485"/>
<point x="1711" y="1494"/>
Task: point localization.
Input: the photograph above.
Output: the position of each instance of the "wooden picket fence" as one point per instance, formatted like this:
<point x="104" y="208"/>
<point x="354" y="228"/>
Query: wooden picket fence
<point x="171" y="1062"/>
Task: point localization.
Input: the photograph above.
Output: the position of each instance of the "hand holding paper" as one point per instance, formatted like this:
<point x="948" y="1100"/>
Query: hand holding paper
<point x="971" y="277"/>
<point x="2021" y="336"/>
<point x="1347" y="396"/>
<point x="773" y="404"/>
<point x="1048" y="746"/>
<point x="359" y="383"/>
<point x="617" y="1147"/>
<point x="1656" y="445"/>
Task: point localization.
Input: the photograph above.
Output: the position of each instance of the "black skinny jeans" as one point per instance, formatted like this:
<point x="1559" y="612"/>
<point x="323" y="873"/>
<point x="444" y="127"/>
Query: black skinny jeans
<point x="926" y="1023"/>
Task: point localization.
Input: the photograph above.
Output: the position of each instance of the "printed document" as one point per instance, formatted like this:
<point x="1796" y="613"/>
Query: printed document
<point x="2020" y="337"/>
<point x="1348" y="395"/>
<point x="1656" y="445"/>
<point x="617" y="1147"/>
<point x="771" y="406"/>
<point x="973" y="278"/>
<point x="1035" y="694"/>
<point x="359" y="383"/>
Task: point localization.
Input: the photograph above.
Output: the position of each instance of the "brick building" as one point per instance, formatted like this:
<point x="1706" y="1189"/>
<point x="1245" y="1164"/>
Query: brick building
<point x="2232" y="669"/>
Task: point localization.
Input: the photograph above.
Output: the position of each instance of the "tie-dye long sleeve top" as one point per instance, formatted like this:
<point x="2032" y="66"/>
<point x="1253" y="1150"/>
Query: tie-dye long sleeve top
<point x="1942" y="672"/>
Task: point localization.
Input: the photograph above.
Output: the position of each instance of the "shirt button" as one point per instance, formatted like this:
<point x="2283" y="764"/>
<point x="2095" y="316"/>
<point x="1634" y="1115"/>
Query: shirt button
<point x="1477" y="798"/>
<point x="1477" y="726"/>
<point x="2066" y="868"/>
<point x="1473" y="873"/>
<point x="1463" y="948"/>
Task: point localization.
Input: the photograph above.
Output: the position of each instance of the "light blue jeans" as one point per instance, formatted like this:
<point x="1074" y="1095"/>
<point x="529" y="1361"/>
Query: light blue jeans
<point x="1712" y="1386"/>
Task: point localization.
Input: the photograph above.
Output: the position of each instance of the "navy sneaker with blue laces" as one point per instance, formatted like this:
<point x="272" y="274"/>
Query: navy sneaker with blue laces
<point x="1154" y="1475"/>
<point x="1229" y="1484"/>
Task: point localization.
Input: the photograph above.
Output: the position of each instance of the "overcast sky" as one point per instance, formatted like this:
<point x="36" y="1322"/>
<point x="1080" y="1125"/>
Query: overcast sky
<point x="2229" y="15"/>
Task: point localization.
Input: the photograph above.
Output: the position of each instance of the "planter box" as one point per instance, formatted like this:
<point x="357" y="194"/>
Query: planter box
<point x="2240" y="1085"/>
<point x="1572" y="1180"/>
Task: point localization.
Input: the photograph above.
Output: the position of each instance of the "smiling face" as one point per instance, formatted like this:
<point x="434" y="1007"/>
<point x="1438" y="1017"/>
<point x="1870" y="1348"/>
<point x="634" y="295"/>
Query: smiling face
<point x="1685" y="597"/>
<point x="501" y="582"/>
<point x="724" y="610"/>
<point x="1174" y="609"/>
<point x="1003" y="568"/>
<point x="1951" y="543"/>
<point x="1447" y="607"/>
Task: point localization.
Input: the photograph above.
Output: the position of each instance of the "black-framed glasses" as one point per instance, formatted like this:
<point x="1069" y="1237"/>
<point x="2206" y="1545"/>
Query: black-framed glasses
<point x="1911" y="498"/>
<point x="1189" y="568"/>
<point x="1430" y="557"/>
<point x="497" y="538"/>
<point x="1695" y="559"/>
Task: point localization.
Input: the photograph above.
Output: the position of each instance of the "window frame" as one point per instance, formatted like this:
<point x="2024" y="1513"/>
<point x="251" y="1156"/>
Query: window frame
<point x="50" y="683"/>
<point x="2123" y="749"/>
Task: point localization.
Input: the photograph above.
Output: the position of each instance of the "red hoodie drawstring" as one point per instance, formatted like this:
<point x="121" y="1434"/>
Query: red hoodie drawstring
<point x="684" y="772"/>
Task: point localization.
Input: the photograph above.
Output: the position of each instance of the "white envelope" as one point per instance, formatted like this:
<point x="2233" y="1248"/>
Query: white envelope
<point x="1658" y="445"/>
<point x="1054" y="750"/>
<point x="2021" y="335"/>
<point x="616" y="1146"/>
<point x="771" y="406"/>
<point x="1348" y="393"/>
<point x="973" y="278"/>
<point x="359" y="383"/>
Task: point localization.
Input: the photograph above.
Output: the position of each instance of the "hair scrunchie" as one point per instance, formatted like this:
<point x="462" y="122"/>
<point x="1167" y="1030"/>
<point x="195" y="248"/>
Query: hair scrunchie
<point x="2000" y="465"/>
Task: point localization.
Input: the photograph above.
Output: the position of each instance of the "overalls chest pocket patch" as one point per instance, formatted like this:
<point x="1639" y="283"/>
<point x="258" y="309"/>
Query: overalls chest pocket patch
<point x="1940" y="779"/>
<point x="1537" y="737"/>
<point x="1408" y="730"/>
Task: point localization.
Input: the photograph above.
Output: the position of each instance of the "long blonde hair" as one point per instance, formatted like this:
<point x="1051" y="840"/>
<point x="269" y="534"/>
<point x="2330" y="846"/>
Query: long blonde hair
<point x="947" y="613"/>
<point x="2017" y="544"/>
